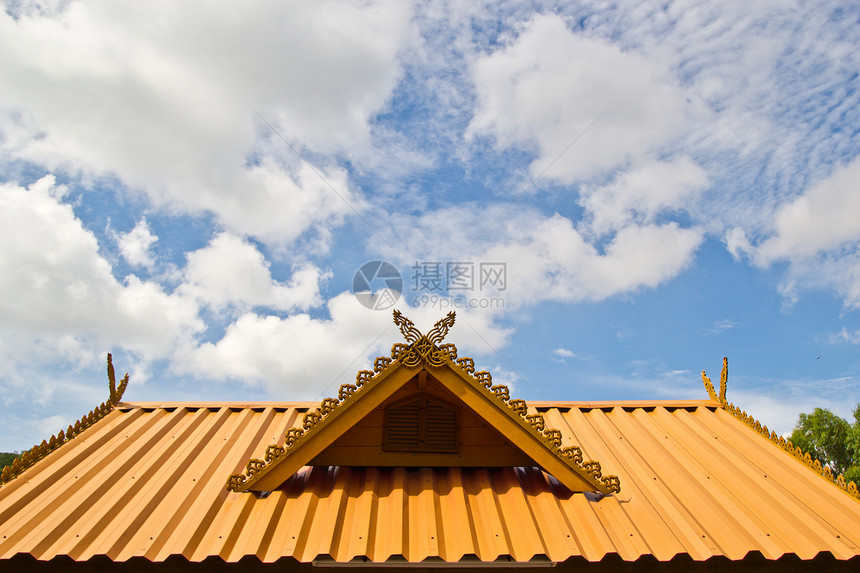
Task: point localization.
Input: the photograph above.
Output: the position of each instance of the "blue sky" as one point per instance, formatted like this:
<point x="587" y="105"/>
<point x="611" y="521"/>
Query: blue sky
<point x="193" y="189"/>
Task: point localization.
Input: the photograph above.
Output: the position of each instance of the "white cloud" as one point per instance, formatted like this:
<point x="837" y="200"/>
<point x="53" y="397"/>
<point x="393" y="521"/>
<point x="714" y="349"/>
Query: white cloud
<point x="64" y="305"/>
<point x="788" y="292"/>
<point x="844" y="272"/>
<point x="60" y="295"/>
<point x="297" y="356"/>
<point x="643" y="256"/>
<point x="547" y="258"/>
<point x="756" y="97"/>
<point x="172" y="108"/>
<point x="845" y="336"/>
<point x="719" y="327"/>
<point x="301" y="356"/>
<point x="817" y="234"/>
<point x="267" y="202"/>
<point x="639" y="195"/>
<point x="822" y="219"/>
<point x="548" y="85"/>
<point x="231" y="271"/>
<point x="136" y="244"/>
<point x="737" y="242"/>
<point x="562" y="353"/>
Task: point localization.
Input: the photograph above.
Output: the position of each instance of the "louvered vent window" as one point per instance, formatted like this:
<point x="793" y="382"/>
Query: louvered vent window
<point x="421" y="424"/>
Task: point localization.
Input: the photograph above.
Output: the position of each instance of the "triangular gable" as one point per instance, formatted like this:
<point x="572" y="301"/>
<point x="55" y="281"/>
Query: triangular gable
<point x="423" y="425"/>
<point x="510" y="417"/>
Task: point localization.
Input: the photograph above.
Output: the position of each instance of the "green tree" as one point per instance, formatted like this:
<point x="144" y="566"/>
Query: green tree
<point x="6" y="459"/>
<point x="853" y="473"/>
<point x="831" y="440"/>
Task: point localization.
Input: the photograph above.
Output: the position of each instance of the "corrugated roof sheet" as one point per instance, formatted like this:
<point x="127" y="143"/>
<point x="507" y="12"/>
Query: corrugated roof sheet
<point x="148" y="480"/>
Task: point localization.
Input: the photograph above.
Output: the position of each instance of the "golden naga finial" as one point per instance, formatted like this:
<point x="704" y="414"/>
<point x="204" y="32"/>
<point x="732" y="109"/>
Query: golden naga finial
<point x="423" y="347"/>
<point x="407" y="327"/>
<point x="440" y="330"/>
<point x="724" y="382"/>
<point x="115" y="393"/>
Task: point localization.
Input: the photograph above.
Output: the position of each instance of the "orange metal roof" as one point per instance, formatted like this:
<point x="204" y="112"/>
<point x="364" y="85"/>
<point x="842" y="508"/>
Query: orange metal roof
<point x="148" y="480"/>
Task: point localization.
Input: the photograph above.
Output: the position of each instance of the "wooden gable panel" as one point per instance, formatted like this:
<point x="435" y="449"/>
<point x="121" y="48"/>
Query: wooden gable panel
<point x="480" y="445"/>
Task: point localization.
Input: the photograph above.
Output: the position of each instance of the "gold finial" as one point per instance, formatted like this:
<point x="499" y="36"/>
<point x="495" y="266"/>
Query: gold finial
<point x="423" y="347"/>
<point x="407" y="327"/>
<point x="440" y="330"/>
<point x="724" y="382"/>
<point x="115" y="393"/>
<point x="436" y="335"/>
<point x="709" y="386"/>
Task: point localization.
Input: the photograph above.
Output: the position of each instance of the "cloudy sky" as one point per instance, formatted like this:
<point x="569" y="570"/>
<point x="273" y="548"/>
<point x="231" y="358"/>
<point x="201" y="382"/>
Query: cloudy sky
<point x="613" y="196"/>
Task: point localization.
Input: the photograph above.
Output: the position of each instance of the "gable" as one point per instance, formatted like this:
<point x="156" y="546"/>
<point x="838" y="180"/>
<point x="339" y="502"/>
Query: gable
<point x="527" y="431"/>
<point x="422" y="425"/>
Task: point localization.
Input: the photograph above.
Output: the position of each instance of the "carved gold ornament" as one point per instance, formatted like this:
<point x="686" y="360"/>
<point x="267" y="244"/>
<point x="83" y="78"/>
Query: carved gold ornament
<point x="426" y="349"/>
<point x="37" y="452"/>
<point x="850" y="487"/>
<point x="422" y="348"/>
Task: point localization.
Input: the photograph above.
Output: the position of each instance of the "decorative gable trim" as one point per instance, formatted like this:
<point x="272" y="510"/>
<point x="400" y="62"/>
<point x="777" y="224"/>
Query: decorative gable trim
<point x="804" y="457"/>
<point x="426" y="350"/>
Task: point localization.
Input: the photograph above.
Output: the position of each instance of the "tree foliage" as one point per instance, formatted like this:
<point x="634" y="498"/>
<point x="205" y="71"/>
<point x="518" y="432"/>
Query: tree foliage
<point x="7" y="458"/>
<point x="831" y="440"/>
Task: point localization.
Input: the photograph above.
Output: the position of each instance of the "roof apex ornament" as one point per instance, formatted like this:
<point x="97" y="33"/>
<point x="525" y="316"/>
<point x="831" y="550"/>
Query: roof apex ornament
<point x="423" y="348"/>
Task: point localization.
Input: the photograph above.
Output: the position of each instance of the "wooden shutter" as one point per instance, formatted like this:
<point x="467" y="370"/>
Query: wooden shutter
<point x="421" y="424"/>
